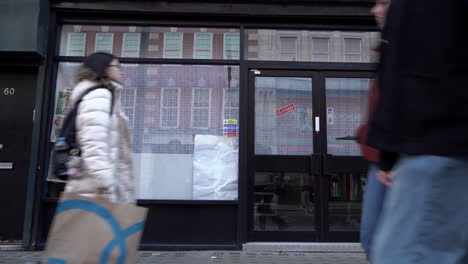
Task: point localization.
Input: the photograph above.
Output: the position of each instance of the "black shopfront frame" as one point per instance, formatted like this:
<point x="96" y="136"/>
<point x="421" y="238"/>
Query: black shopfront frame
<point x="175" y="224"/>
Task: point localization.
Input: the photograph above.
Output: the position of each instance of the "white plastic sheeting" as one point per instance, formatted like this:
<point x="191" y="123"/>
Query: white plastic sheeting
<point x="215" y="168"/>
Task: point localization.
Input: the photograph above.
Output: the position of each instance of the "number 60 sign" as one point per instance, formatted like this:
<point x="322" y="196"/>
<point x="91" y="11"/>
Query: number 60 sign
<point x="9" y="91"/>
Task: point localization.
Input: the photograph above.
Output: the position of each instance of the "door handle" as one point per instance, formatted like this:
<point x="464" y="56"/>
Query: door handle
<point x="6" y="165"/>
<point x="346" y="138"/>
<point x="317" y="124"/>
<point x="320" y="164"/>
<point x="326" y="163"/>
<point x="316" y="161"/>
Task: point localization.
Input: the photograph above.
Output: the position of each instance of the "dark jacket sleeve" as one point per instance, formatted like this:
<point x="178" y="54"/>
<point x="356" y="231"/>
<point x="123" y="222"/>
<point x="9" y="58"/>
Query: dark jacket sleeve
<point x="369" y="153"/>
<point x="387" y="160"/>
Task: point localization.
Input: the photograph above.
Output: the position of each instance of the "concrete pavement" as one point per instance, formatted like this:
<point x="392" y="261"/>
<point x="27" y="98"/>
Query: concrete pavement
<point x="213" y="257"/>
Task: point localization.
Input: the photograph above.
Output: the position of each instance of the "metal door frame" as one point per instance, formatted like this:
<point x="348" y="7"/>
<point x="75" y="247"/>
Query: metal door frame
<point x="332" y="163"/>
<point x="319" y="163"/>
<point x="277" y="163"/>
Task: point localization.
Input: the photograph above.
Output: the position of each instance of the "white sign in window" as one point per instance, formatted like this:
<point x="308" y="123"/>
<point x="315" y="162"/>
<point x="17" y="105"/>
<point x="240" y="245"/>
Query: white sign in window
<point x="321" y="49"/>
<point x="231" y="46"/>
<point x="353" y="50"/>
<point x="131" y="45"/>
<point x="203" y="46"/>
<point x="170" y="100"/>
<point x="201" y="102"/>
<point x="288" y="48"/>
<point x="76" y="44"/>
<point x="104" y="42"/>
<point x="173" y="45"/>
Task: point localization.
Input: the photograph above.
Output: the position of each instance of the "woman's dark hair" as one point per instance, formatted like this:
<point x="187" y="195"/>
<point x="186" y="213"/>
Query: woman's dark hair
<point x="94" y="67"/>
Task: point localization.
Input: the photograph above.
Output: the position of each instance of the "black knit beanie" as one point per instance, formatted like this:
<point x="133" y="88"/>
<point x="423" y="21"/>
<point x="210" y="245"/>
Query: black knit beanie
<point x="99" y="62"/>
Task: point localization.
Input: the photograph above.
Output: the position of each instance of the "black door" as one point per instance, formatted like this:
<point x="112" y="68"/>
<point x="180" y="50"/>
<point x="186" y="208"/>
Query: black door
<point x="286" y="194"/>
<point x="17" y="92"/>
<point x="345" y="105"/>
<point x="306" y="173"/>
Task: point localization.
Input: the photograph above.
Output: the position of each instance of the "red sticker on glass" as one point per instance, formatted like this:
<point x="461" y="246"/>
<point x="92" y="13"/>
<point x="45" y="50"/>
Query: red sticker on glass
<point x="285" y="109"/>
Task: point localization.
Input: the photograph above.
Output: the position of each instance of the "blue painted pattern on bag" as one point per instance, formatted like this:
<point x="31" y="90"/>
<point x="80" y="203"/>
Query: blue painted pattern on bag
<point x="56" y="261"/>
<point x="120" y="235"/>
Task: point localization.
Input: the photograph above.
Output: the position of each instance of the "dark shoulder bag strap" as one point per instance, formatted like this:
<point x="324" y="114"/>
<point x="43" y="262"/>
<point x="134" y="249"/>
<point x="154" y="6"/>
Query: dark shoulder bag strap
<point x="99" y="86"/>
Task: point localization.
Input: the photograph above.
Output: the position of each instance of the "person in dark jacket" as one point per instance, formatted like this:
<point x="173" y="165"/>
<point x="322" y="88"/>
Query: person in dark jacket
<point x="420" y="126"/>
<point x="375" y="190"/>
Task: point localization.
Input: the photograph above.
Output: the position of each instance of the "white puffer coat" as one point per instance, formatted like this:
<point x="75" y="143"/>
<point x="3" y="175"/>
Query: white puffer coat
<point x="106" y="151"/>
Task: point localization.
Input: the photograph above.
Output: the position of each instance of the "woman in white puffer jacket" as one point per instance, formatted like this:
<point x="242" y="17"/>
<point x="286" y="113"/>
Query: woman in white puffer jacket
<point x="102" y="134"/>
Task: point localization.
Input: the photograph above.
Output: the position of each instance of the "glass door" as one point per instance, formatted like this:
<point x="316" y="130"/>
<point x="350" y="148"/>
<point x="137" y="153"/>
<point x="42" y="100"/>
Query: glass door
<point x="345" y="170"/>
<point x="286" y="194"/>
<point x="307" y="176"/>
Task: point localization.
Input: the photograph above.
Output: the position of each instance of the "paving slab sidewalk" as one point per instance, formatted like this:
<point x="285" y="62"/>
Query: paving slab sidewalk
<point x="213" y="257"/>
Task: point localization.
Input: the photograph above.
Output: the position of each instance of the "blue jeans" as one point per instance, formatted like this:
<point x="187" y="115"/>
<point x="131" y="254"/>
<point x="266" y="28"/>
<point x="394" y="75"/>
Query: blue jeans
<point x="425" y="216"/>
<point x="372" y="208"/>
